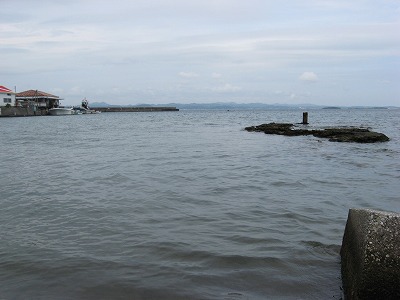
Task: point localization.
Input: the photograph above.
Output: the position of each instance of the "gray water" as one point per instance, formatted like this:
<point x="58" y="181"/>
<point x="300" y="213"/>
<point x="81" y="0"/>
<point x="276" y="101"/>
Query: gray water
<point x="184" y="205"/>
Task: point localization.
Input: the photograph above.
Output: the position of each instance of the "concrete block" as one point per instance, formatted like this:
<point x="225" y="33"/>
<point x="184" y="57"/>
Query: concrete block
<point x="370" y="255"/>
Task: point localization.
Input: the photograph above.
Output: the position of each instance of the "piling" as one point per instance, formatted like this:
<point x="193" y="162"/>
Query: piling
<point x="305" y="118"/>
<point x="370" y="255"/>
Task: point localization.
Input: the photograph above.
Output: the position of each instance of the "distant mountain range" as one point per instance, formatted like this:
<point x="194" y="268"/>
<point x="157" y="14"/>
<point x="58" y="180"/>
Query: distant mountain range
<point x="233" y="105"/>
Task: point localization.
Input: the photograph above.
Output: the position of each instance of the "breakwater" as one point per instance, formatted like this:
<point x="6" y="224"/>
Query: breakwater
<point x="31" y="111"/>
<point x="136" y="109"/>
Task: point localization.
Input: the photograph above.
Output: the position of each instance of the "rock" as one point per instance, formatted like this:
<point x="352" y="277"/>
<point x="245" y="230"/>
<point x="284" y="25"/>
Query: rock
<point x="356" y="135"/>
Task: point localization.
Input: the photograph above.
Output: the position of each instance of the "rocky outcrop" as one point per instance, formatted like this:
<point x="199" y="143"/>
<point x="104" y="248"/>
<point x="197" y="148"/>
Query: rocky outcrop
<point x="348" y="134"/>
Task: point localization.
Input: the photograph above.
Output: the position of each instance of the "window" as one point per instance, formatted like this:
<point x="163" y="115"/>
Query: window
<point x="7" y="100"/>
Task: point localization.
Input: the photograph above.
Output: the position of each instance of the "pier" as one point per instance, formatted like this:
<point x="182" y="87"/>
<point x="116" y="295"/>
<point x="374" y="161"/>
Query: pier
<point x="135" y="108"/>
<point x="33" y="111"/>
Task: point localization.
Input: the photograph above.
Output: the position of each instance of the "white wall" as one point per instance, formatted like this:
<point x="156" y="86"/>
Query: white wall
<point x="7" y="98"/>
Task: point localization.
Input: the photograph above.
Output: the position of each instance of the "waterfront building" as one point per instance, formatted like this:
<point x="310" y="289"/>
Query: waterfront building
<point x="7" y="97"/>
<point x="37" y="99"/>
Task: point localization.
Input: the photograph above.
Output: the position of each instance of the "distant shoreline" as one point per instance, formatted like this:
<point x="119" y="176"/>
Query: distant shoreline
<point x="232" y="106"/>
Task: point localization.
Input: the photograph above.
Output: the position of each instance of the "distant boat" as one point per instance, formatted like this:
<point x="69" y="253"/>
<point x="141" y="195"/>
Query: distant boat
<point x="90" y="111"/>
<point x="61" y="111"/>
<point x="85" y="109"/>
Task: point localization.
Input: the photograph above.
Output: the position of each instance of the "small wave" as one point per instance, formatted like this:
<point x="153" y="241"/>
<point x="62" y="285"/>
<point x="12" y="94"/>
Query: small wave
<point x="245" y="262"/>
<point x="282" y="183"/>
<point x="235" y="295"/>
<point x="322" y="248"/>
<point x="112" y="179"/>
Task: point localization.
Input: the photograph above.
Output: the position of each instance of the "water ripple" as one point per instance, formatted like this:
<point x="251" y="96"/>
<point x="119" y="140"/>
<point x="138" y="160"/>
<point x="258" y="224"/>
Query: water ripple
<point x="183" y="206"/>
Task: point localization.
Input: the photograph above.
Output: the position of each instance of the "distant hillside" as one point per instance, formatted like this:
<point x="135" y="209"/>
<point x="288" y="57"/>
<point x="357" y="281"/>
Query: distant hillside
<point x="216" y="105"/>
<point x="100" y="104"/>
<point x="233" y="105"/>
<point x="241" y="106"/>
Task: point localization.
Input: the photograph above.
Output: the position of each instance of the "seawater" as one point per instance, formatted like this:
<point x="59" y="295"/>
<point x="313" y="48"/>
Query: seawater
<point x="184" y="205"/>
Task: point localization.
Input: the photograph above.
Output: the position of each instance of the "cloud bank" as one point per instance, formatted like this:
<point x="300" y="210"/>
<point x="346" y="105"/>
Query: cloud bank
<point x="308" y="76"/>
<point x="175" y="50"/>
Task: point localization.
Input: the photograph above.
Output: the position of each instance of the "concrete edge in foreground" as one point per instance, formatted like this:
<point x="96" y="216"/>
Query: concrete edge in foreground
<point x="370" y="255"/>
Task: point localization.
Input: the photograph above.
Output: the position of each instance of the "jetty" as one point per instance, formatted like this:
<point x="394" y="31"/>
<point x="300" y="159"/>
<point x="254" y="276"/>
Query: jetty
<point x="33" y="111"/>
<point x="136" y="108"/>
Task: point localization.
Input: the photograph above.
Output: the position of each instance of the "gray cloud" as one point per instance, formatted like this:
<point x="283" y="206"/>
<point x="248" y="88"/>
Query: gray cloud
<point x="163" y="49"/>
<point x="308" y="76"/>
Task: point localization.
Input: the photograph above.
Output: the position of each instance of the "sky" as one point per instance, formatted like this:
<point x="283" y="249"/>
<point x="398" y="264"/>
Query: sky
<point x="324" y="52"/>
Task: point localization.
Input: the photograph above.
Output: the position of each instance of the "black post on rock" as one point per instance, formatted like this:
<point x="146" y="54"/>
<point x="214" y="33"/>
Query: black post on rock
<point x="305" y="117"/>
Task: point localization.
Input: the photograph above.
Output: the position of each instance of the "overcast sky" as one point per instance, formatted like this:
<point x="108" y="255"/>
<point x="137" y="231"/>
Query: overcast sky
<point x="328" y="52"/>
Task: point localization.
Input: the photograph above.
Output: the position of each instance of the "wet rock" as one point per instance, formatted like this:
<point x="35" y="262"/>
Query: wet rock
<point x="355" y="135"/>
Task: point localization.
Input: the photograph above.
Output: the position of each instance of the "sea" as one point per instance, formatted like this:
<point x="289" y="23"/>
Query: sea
<point x="185" y="204"/>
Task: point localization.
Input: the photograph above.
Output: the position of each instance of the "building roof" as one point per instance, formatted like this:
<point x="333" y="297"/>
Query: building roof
<point x="35" y="94"/>
<point x="3" y="89"/>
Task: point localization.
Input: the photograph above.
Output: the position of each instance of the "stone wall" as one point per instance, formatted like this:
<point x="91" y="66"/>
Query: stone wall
<point x="20" y="112"/>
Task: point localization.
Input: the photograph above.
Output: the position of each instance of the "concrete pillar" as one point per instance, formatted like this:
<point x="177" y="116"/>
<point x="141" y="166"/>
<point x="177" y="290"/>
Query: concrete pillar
<point x="371" y="255"/>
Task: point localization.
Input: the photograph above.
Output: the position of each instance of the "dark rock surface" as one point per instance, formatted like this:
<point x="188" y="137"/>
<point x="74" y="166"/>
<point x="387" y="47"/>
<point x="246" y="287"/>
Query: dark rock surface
<point x="370" y="255"/>
<point x="356" y="135"/>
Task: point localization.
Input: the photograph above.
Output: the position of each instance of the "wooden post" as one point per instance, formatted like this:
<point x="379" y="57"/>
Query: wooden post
<point x="305" y="117"/>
